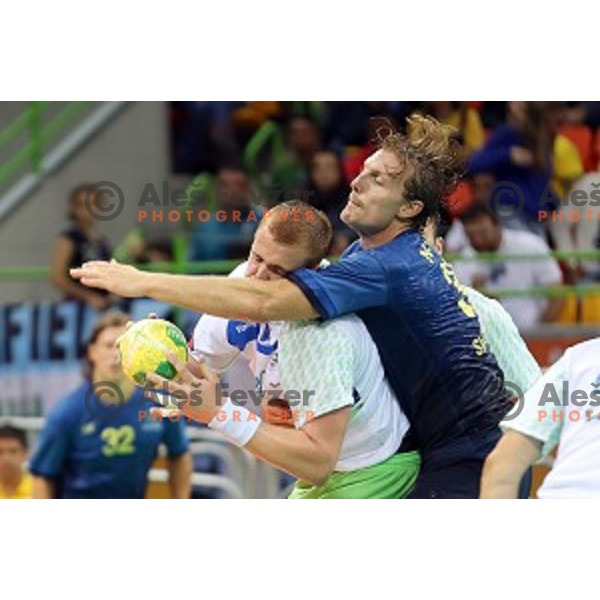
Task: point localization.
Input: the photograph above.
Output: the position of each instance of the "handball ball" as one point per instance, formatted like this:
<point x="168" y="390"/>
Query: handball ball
<point x="143" y="348"/>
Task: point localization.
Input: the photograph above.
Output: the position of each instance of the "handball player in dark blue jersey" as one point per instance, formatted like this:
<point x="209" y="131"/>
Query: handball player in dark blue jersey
<point x="100" y="440"/>
<point x="427" y="333"/>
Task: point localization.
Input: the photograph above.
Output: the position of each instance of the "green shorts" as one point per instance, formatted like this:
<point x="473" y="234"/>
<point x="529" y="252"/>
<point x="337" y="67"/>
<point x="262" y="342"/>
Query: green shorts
<point x="392" y="478"/>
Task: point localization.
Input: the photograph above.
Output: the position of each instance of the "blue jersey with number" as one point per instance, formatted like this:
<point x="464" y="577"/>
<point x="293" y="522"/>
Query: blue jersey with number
<point x="95" y="453"/>
<point x="428" y="335"/>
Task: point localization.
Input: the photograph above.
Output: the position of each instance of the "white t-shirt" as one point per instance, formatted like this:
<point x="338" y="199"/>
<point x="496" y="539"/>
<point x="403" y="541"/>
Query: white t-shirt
<point x="336" y="364"/>
<point x="515" y="274"/>
<point x="563" y="408"/>
<point x="337" y="360"/>
<point x="245" y="354"/>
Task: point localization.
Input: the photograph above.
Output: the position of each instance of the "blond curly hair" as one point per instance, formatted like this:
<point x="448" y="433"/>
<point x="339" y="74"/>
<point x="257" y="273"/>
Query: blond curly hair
<point x="431" y="158"/>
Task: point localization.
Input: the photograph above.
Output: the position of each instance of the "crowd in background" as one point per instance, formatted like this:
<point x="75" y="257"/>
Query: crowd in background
<point x="527" y="166"/>
<point x="525" y="162"/>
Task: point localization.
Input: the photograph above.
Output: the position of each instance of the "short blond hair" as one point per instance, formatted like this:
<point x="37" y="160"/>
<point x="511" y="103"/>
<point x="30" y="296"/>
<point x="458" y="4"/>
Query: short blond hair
<point x="296" y="222"/>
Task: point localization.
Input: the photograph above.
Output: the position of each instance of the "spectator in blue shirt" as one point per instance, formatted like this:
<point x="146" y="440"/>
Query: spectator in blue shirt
<point x="228" y="232"/>
<point x="520" y="154"/>
<point x="100" y="441"/>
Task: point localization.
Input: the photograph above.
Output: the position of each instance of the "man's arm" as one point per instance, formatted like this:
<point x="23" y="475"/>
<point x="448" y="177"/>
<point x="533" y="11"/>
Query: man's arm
<point x="43" y="488"/>
<point x="243" y="299"/>
<point x="507" y="464"/>
<point x="180" y="476"/>
<point x="310" y="453"/>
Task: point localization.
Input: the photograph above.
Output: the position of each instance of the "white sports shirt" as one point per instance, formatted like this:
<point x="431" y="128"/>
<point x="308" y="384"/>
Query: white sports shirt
<point x="337" y="361"/>
<point x="563" y="408"/>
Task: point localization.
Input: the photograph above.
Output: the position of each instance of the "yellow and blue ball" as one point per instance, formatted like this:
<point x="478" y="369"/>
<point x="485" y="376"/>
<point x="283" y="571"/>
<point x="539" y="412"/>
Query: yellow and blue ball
<point x="144" y="348"/>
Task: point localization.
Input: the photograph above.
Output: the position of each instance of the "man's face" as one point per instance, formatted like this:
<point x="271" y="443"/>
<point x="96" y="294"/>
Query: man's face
<point x="484" y="235"/>
<point x="376" y="198"/>
<point x="270" y="259"/>
<point x="233" y="189"/>
<point x="12" y="456"/>
<point x="325" y="171"/>
<point x="104" y="355"/>
<point x="84" y="206"/>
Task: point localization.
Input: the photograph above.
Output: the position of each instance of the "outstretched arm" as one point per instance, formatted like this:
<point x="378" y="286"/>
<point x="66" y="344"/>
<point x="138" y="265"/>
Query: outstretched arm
<point x="232" y="298"/>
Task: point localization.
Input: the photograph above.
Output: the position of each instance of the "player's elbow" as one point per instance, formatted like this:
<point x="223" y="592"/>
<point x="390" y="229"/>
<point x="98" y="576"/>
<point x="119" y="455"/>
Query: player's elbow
<point x="317" y="476"/>
<point x="321" y="470"/>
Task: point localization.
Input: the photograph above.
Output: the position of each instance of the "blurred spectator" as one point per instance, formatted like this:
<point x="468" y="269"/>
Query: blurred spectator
<point x="329" y="193"/>
<point x="137" y="249"/>
<point x="485" y="233"/>
<point x="463" y="118"/>
<point x="229" y="231"/>
<point x="575" y="225"/>
<point x="520" y="154"/>
<point x="303" y="141"/>
<point x="247" y="119"/>
<point x="77" y="244"/>
<point x="96" y="444"/>
<point x="567" y="165"/>
<point x="15" y="483"/>
<point x="568" y="169"/>
<point x="584" y="113"/>
<point x="493" y="114"/>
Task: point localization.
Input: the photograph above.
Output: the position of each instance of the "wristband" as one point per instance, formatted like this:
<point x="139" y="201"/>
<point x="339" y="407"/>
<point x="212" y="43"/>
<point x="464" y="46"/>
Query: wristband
<point x="236" y="423"/>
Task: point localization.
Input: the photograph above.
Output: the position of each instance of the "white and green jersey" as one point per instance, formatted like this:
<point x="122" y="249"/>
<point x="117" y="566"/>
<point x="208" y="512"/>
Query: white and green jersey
<point x="505" y="341"/>
<point x="563" y="407"/>
<point x="336" y="364"/>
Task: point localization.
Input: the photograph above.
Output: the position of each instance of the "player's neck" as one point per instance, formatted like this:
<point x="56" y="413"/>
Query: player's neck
<point x="383" y="237"/>
<point x="123" y="384"/>
<point x="11" y="483"/>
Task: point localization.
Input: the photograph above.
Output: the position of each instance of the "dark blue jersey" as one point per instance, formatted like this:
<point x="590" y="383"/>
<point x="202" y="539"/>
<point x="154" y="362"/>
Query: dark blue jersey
<point x="429" y="338"/>
<point x="108" y="457"/>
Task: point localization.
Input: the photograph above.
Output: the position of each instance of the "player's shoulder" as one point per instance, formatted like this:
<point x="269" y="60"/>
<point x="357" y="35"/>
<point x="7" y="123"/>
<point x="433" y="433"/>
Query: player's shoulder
<point x="492" y="315"/>
<point x="71" y="407"/>
<point x="399" y="253"/>
<point x="484" y="303"/>
<point x="587" y="348"/>
<point x="335" y="335"/>
<point x="239" y="271"/>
